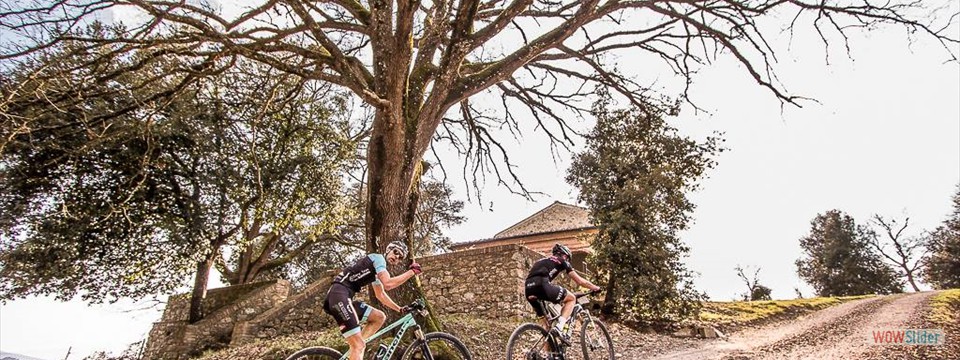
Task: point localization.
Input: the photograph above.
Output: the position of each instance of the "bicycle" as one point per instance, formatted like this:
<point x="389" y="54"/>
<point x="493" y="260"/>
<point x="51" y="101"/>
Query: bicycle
<point x="532" y="342"/>
<point x="430" y="346"/>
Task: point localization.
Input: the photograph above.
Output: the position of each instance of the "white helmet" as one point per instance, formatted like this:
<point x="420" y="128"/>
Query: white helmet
<point x="398" y="246"/>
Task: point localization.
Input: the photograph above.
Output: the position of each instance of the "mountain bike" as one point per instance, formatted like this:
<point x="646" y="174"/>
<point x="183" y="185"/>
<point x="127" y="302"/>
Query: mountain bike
<point x="532" y="342"/>
<point x="430" y="346"/>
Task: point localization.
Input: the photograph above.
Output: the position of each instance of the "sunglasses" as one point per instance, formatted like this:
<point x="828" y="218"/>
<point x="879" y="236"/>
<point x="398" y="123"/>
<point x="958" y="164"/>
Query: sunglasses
<point x="398" y="254"/>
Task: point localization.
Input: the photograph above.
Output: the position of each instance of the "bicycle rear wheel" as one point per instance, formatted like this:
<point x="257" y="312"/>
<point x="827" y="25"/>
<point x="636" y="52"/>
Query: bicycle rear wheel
<point x="595" y="341"/>
<point x="316" y="353"/>
<point x="437" y="346"/>
<point x="529" y="342"/>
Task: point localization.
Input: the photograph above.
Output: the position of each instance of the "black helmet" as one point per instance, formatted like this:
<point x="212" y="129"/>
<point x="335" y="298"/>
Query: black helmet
<point x="398" y="246"/>
<point x="559" y="249"/>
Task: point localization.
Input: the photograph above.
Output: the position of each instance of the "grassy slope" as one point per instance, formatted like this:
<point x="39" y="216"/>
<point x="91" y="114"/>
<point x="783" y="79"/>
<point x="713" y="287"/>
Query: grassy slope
<point x="735" y="314"/>
<point x="945" y="308"/>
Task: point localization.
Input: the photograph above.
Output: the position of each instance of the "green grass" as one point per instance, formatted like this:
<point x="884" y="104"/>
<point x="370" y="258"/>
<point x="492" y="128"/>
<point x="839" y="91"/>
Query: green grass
<point x="945" y="307"/>
<point x="741" y="312"/>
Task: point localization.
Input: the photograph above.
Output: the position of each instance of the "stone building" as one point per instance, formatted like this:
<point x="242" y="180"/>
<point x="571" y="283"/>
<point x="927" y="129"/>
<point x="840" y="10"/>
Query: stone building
<point x="484" y="282"/>
<point x="567" y="224"/>
<point x="481" y="278"/>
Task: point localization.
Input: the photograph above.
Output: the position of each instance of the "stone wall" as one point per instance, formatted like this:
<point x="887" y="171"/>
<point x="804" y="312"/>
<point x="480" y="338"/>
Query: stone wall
<point x="299" y="313"/>
<point x="174" y="338"/>
<point x="486" y="282"/>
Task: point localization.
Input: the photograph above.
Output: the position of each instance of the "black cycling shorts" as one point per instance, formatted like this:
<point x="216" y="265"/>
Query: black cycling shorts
<point x="540" y="288"/>
<point x="340" y="304"/>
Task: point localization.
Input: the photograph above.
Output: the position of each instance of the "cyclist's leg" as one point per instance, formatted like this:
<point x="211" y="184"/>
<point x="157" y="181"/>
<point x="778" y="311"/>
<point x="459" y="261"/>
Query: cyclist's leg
<point x="569" y="300"/>
<point x="357" y="346"/>
<point x="339" y="305"/>
<point x="534" y="292"/>
<point x="559" y="295"/>
<point x="372" y="319"/>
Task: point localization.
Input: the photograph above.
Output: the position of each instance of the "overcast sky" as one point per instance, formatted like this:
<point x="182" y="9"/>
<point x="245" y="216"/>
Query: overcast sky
<point x="885" y="138"/>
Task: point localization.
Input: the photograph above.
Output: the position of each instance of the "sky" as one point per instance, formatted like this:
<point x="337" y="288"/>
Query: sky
<point x="883" y="139"/>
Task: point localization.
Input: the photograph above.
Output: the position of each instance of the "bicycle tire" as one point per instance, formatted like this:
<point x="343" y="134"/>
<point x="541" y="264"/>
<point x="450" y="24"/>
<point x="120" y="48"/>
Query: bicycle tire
<point x="418" y="346"/>
<point x="525" y="354"/>
<point x="316" y="353"/>
<point x="588" y="347"/>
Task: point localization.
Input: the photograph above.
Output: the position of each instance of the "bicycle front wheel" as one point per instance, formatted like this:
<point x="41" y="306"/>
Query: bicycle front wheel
<point x="316" y="353"/>
<point x="595" y="341"/>
<point x="437" y="346"/>
<point x="528" y="342"/>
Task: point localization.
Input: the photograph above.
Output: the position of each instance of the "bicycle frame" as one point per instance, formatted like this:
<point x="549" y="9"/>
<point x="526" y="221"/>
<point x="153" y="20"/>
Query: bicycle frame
<point x="578" y="313"/>
<point x="405" y="323"/>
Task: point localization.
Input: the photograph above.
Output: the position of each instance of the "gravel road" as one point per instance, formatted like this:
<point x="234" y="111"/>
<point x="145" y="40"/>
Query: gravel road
<point x="840" y="332"/>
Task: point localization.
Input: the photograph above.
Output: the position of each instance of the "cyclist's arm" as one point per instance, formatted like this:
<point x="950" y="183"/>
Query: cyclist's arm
<point x="581" y="281"/>
<point x="384" y="297"/>
<point x="391" y="282"/>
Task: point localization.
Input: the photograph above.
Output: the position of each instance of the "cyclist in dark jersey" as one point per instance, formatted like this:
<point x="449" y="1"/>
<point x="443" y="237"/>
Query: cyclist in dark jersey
<point x="349" y="313"/>
<point x="539" y="286"/>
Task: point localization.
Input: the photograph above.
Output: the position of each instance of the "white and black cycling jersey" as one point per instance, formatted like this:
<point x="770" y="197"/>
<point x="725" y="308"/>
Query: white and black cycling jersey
<point x="362" y="273"/>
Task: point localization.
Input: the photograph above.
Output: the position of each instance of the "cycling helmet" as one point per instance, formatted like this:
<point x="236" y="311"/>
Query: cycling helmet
<point x="398" y="246"/>
<point x="559" y="249"/>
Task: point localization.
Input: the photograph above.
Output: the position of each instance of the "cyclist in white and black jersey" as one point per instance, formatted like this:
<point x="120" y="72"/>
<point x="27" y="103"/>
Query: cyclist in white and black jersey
<point x="539" y="286"/>
<point x="351" y="314"/>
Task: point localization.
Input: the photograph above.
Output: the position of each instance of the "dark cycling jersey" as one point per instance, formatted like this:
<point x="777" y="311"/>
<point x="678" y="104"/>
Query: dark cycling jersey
<point x="362" y="273"/>
<point x="549" y="268"/>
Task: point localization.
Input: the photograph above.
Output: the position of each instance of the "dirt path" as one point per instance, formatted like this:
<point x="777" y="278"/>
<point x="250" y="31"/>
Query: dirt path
<point x="839" y="332"/>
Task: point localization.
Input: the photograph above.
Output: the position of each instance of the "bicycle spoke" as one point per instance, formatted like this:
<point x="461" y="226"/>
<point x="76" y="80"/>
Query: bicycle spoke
<point x="315" y="354"/>
<point x="437" y="346"/>
<point x="595" y="342"/>
<point x="529" y="345"/>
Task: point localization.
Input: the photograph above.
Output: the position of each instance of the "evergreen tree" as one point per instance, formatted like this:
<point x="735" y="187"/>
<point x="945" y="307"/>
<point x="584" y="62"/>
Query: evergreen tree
<point x="839" y="260"/>
<point x="942" y="267"/>
<point x="634" y="176"/>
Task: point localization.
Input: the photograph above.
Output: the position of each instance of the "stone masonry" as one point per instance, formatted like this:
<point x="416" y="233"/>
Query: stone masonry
<point x="174" y="338"/>
<point x="486" y="282"/>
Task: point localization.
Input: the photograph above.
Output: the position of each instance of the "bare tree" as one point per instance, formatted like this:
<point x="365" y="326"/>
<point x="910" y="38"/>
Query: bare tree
<point x="755" y="291"/>
<point x="907" y="252"/>
<point x="420" y="64"/>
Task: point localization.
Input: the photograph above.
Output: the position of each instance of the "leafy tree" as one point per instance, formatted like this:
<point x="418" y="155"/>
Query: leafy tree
<point x="71" y="190"/>
<point x="243" y="159"/>
<point x="760" y="292"/>
<point x="634" y="176"/>
<point x="839" y="261"/>
<point x="942" y="268"/>
<point x="437" y="211"/>
<point x="420" y="65"/>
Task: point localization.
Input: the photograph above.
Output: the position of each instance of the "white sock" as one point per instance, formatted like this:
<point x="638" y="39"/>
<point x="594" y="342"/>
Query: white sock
<point x="560" y="322"/>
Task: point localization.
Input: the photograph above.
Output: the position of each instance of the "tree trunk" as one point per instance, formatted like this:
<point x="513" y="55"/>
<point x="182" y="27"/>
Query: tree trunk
<point x="610" y="300"/>
<point x="200" y="288"/>
<point x="912" y="282"/>
<point x="393" y="161"/>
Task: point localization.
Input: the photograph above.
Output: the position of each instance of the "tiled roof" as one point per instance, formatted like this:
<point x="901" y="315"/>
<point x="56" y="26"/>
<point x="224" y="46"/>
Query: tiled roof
<point x="555" y="217"/>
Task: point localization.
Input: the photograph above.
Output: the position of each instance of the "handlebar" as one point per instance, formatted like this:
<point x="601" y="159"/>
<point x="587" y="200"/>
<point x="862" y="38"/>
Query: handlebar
<point x="415" y="306"/>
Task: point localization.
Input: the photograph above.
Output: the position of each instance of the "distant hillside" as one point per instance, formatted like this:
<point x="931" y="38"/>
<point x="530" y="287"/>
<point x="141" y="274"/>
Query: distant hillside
<point x="12" y="356"/>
